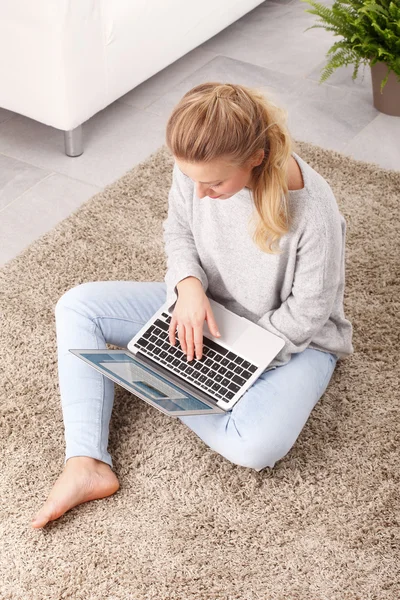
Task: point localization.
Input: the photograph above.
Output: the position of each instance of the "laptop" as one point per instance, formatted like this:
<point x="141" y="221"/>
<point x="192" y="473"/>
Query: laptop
<point x="160" y="374"/>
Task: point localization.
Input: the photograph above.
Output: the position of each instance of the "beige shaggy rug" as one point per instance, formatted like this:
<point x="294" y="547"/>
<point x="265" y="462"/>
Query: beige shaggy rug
<point x="186" y="523"/>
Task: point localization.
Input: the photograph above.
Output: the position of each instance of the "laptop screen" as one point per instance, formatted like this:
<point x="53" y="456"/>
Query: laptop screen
<point x="138" y="377"/>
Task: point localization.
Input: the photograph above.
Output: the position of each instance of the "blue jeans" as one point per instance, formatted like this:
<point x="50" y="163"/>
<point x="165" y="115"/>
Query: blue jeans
<point x="259" y="430"/>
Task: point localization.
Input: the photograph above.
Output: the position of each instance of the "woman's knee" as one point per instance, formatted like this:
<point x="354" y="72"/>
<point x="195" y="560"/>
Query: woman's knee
<point x="77" y="296"/>
<point x="257" y="455"/>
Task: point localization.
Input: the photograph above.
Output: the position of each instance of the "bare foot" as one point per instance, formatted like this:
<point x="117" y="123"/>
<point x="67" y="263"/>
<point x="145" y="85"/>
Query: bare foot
<point x="83" y="479"/>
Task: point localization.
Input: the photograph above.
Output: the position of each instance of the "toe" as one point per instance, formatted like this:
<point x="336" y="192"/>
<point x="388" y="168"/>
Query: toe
<point x="39" y="520"/>
<point x="46" y="514"/>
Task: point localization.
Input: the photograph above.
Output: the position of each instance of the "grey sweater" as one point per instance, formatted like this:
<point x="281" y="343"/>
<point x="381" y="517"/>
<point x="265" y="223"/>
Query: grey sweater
<point x="297" y="295"/>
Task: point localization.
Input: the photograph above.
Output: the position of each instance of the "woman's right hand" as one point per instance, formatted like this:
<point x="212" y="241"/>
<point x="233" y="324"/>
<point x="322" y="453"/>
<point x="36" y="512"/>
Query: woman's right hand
<point x="192" y="308"/>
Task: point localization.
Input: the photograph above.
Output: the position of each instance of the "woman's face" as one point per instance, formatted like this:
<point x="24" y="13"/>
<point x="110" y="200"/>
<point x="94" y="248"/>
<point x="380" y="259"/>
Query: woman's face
<point x="216" y="178"/>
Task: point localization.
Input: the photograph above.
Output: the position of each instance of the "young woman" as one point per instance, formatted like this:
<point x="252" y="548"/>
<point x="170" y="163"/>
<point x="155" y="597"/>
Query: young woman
<point x="251" y="225"/>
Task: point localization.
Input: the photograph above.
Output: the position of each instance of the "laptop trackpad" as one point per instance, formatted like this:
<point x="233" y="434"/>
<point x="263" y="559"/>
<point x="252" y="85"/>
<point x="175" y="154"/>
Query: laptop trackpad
<point x="230" y="326"/>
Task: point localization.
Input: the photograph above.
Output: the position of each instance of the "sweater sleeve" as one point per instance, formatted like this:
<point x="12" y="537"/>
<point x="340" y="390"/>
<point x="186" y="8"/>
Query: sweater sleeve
<point x="314" y="288"/>
<point x="182" y="257"/>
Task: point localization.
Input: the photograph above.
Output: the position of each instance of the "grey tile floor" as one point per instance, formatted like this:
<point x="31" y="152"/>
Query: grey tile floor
<point x="267" y="48"/>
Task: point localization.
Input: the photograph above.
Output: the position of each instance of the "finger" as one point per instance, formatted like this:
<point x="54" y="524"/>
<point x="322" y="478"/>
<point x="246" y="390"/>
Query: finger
<point x="198" y="341"/>
<point x="212" y="325"/>
<point x="171" y="330"/>
<point x="189" y="342"/>
<point x="181" y="336"/>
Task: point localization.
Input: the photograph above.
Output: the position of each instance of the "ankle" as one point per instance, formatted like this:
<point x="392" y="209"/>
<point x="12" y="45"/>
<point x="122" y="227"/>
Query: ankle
<point x="87" y="461"/>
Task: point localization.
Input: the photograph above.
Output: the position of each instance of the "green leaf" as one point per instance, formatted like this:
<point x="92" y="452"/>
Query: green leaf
<point x="374" y="8"/>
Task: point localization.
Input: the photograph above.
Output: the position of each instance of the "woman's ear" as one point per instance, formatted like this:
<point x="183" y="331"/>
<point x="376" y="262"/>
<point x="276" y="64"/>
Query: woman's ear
<point x="259" y="157"/>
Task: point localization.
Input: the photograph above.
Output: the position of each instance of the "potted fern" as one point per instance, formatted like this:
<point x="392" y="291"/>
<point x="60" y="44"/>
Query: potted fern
<point x="371" y="35"/>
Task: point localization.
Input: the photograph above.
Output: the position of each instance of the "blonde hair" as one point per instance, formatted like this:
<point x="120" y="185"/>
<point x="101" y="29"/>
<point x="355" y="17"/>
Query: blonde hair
<point x="225" y="120"/>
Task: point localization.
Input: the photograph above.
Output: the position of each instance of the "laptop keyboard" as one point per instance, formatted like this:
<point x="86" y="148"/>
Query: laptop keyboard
<point x="219" y="372"/>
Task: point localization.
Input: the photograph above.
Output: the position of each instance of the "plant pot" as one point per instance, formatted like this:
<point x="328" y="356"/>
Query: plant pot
<point x="389" y="101"/>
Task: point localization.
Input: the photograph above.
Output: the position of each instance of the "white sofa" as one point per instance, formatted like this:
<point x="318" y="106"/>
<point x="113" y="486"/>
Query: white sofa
<point x="62" y="61"/>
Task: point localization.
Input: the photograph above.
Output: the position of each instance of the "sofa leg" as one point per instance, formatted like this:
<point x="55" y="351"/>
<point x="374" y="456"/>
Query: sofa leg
<point x="73" y="141"/>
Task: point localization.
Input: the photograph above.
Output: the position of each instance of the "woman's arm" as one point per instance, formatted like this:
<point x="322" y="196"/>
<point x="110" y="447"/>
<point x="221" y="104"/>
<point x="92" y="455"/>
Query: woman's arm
<point x="180" y="248"/>
<point x="319" y="263"/>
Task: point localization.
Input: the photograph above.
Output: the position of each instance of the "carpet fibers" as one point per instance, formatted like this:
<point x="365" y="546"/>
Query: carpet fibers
<point x="186" y="524"/>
